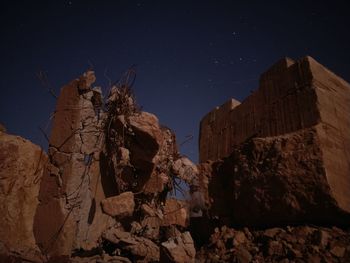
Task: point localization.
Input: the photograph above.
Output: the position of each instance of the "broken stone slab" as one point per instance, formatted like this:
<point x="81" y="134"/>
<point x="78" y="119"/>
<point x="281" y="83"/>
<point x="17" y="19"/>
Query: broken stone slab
<point x="185" y="169"/>
<point x="176" y="212"/>
<point x="147" y="131"/>
<point x="22" y="165"/>
<point x="119" y="206"/>
<point x="150" y="150"/>
<point x="148" y="210"/>
<point x="156" y="183"/>
<point x="179" y="250"/>
<point x="145" y="249"/>
<point x="139" y="247"/>
<point x="151" y="226"/>
<point x="116" y="236"/>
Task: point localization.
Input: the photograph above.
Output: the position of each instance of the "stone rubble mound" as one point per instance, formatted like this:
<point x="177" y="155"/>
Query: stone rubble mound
<point x="101" y="192"/>
<point x="280" y="244"/>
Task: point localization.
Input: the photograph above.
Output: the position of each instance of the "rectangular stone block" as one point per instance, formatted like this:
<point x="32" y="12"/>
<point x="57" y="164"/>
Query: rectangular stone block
<point x="293" y="95"/>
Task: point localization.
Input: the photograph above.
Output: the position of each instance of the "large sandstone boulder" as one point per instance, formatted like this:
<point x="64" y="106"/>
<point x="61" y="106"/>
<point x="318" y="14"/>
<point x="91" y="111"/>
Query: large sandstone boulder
<point x="273" y="181"/>
<point x="21" y="168"/>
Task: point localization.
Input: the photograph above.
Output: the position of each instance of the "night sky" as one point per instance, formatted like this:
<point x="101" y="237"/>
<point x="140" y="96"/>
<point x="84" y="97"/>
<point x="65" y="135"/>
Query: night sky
<point x="191" y="55"/>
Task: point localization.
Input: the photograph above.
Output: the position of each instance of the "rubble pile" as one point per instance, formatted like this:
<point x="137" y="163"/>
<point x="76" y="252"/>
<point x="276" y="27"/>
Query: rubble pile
<point x="280" y="244"/>
<point x="101" y="195"/>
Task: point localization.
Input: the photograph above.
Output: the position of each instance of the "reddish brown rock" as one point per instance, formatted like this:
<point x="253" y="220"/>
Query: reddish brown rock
<point x="21" y="169"/>
<point x="185" y="169"/>
<point x="176" y="212"/>
<point x="86" y="81"/>
<point x="179" y="250"/>
<point x="273" y="181"/>
<point x="141" y="249"/>
<point x="156" y="183"/>
<point x="69" y="216"/>
<point x="119" y="206"/>
<point x="294" y="96"/>
<point x="151" y="151"/>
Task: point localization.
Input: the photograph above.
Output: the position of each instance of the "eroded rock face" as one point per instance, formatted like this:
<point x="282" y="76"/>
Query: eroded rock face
<point x="274" y="181"/>
<point x="21" y="169"/>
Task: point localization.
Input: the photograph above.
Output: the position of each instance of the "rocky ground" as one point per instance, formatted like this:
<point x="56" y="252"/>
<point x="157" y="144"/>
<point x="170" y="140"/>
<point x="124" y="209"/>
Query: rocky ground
<point x="310" y="244"/>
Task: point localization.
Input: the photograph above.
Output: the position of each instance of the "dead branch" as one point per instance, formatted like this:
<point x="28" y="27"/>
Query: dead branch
<point x="187" y="139"/>
<point x="44" y="133"/>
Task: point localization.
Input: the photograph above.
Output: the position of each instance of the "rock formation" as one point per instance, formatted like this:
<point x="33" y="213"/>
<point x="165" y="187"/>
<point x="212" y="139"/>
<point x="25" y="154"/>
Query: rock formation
<point x="101" y="193"/>
<point x="287" y="149"/>
<point x="272" y="184"/>
<point x="21" y="169"/>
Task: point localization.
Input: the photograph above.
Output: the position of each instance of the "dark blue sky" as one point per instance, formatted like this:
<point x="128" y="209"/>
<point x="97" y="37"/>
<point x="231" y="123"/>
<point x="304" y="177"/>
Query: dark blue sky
<point x="191" y="55"/>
